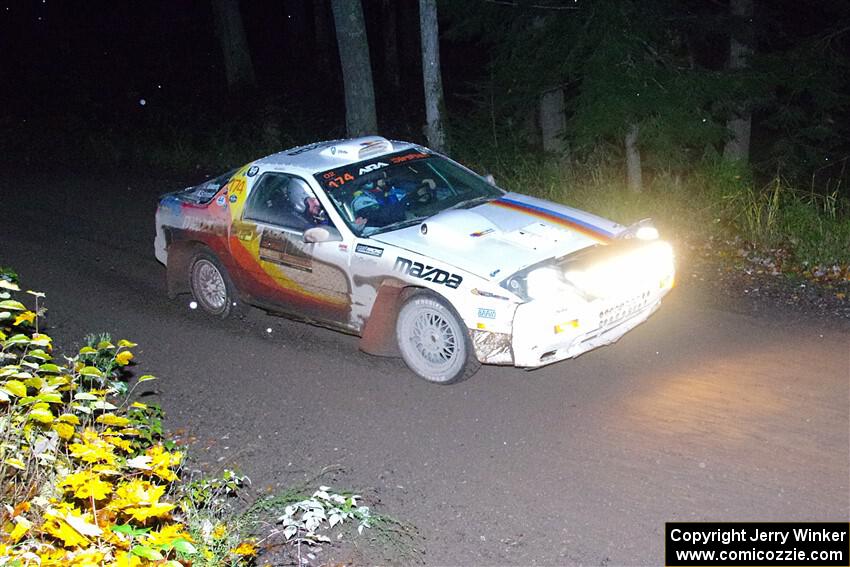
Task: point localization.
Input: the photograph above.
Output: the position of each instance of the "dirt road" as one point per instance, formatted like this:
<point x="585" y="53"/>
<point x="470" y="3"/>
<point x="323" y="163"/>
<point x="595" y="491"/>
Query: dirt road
<point x="700" y="414"/>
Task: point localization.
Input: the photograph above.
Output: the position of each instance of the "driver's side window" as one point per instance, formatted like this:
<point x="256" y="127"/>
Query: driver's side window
<point x="278" y="199"/>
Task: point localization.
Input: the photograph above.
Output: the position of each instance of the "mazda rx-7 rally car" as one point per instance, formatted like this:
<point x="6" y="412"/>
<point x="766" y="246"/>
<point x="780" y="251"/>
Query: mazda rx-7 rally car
<point x="414" y="253"/>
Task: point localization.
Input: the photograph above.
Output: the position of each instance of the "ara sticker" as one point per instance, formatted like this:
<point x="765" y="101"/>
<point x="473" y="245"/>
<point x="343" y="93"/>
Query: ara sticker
<point x="233" y="198"/>
<point x="252" y="171"/>
<point x="369" y="250"/>
<point x="371" y="167"/>
<point x="478" y="233"/>
<point x="220" y="201"/>
<point x="486" y="313"/>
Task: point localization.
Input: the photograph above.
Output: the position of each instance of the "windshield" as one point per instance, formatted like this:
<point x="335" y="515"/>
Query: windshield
<point x="401" y="189"/>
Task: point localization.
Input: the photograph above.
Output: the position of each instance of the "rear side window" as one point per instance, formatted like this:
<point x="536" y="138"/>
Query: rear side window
<point x="204" y="192"/>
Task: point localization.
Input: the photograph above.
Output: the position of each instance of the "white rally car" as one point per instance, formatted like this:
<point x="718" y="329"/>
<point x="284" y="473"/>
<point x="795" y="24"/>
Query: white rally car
<point x="414" y="253"/>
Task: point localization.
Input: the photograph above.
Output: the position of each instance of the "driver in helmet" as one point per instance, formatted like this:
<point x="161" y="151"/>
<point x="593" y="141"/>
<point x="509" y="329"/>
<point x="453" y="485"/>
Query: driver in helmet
<point x="305" y="204"/>
<point x="379" y="204"/>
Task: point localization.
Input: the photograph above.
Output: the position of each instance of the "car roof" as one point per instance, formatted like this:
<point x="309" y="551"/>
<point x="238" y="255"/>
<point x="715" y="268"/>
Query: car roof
<point x="322" y="156"/>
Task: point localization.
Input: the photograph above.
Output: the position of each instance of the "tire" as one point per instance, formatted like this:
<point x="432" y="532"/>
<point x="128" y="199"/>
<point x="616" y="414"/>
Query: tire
<point x="433" y="340"/>
<point x="210" y="285"/>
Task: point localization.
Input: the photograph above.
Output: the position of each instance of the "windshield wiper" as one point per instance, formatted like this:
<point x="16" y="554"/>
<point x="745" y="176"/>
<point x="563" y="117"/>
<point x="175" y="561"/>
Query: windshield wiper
<point x="397" y="225"/>
<point x="469" y="203"/>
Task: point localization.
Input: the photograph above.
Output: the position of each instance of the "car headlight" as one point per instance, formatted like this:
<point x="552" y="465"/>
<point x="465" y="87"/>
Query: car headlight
<point x="543" y="282"/>
<point x="644" y="267"/>
<point x="620" y="268"/>
<point x="539" y="282"/>
<point x="535" y="282"/>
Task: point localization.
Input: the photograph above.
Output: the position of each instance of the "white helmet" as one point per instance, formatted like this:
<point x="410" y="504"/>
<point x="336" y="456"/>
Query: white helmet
<point x="299" y="192"/>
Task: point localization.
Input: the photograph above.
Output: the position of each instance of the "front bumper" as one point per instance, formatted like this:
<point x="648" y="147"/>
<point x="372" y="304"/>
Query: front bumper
<point x="542" y="336"/>
<point x="544" y="332"/>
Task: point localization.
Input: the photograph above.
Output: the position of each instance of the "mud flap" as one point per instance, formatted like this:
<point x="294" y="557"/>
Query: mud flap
<point x="378" y="336"/>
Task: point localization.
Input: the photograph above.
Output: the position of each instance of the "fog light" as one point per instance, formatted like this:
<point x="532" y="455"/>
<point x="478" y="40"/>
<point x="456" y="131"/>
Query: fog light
<point x="647" y="233"/>
<point x="561" y="327"/>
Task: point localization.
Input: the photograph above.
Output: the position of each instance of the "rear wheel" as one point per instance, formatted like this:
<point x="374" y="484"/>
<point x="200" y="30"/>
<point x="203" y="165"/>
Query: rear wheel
<point x="211" y="286"/>
<point x="433" y="341"/>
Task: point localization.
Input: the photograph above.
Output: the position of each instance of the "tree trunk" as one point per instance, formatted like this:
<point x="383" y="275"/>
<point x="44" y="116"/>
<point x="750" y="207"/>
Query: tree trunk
<point x="633" y="167"/>
<point x="390" y="36"/>
<point x="553" y="123"/>
<point x="431" y="74"/>
<point x="740" y="50"/>
<point x="321" y="36"/>
<point x="360" y="118"/>
<point x="238" y="67"/>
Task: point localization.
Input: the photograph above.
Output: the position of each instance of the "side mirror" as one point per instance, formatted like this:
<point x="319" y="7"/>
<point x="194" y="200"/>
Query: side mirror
<point x="490" y="179"/>
<point x="321" y="234"/>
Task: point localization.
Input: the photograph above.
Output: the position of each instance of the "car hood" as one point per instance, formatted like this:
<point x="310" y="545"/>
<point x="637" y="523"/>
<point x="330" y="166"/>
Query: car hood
<point x="498" y="238"/>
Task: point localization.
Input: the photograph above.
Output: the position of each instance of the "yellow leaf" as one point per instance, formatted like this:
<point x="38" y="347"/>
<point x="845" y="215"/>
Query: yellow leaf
<point x="139" y="405"/>
<point x="65" y="430"/>
<point x="162" y="461"/>
<point x="42" y="340"/>
<point x="92" y="449"/>
<point x="112" y="419"/>
<point x="126" y="344"/>
<point x="142" y="513"/>
<point x="25" y="317"/>
<point x="246" y="549"/>
<point x="69" y="418"/>
<point x="91" y="371"/>
<point x="35" y="382"/>
<point x="125" y="559"/>
<point x="15" y="388"/>
<point x="123" y="358"/>
<point x="22" y="526"/>
<point x="140" y="500"/>
<point x="122" y="444"/>
<point x="60" y="529"/>
<point x="219" y="531"/>
<point x="86" y="484"/>
<point x="168" y="533"/>
<point x="41" y="413"/>
<point x="17" y="463"/>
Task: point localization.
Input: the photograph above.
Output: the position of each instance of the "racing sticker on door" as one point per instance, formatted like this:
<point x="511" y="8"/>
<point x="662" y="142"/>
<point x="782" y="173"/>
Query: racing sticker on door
<point x="282" y="248"/>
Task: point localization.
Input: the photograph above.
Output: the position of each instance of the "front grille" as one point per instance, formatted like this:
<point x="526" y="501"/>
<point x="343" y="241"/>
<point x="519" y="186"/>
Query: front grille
<point x="613" y="314"/>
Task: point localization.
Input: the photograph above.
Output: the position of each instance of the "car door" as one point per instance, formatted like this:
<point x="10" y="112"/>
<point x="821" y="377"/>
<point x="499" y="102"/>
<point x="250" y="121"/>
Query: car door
<point x="285" y="272"/>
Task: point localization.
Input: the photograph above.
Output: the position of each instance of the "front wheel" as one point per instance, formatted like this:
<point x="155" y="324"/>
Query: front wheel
<point x="433" y="341"/>
<point x="210" y="285"/>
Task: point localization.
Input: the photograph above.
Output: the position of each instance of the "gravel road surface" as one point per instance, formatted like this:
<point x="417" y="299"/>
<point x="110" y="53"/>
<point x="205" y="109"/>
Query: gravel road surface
<point x="704" y="413"/>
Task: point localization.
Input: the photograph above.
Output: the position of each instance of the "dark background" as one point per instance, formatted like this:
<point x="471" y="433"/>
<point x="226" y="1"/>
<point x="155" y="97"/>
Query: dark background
<point x="75" y="75"/>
